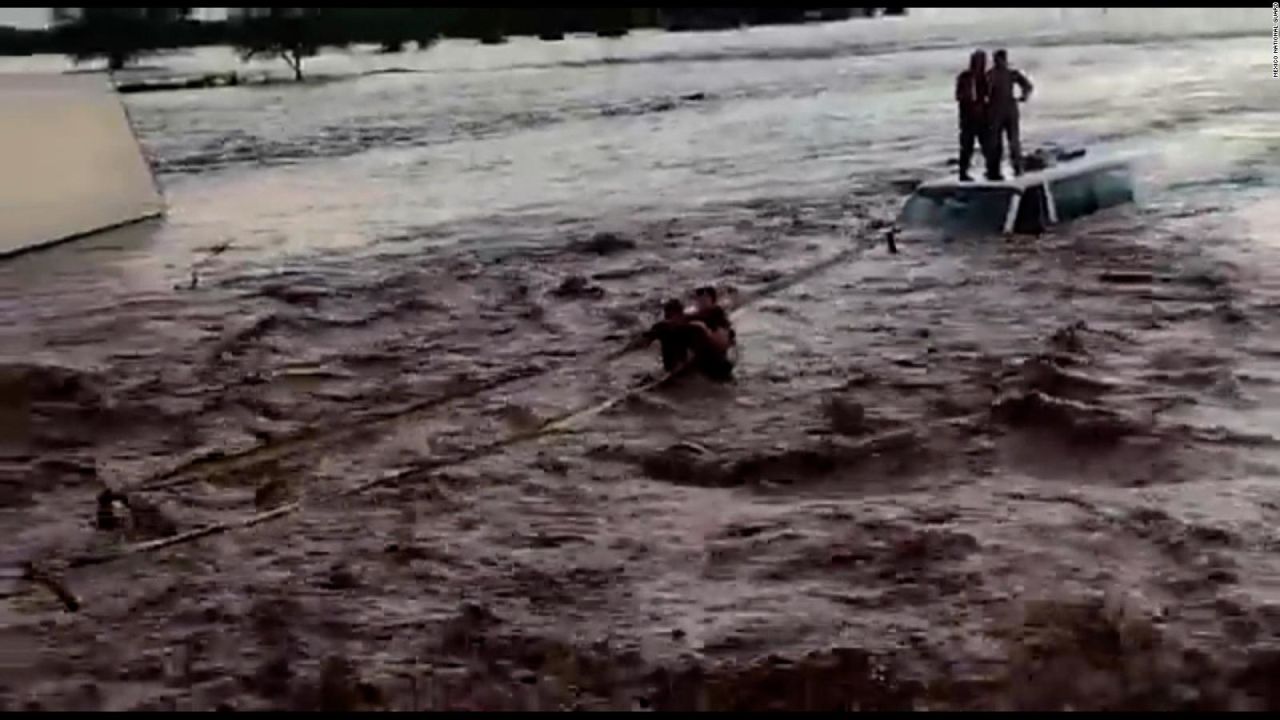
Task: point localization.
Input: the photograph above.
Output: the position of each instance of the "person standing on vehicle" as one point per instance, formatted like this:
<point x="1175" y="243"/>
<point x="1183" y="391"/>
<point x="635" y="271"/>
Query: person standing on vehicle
<point x="1002" y="114"/>
<point x="971" y="99"/>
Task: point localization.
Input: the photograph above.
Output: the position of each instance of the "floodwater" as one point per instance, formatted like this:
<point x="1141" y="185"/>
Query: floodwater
<point x="1011" y="474"/>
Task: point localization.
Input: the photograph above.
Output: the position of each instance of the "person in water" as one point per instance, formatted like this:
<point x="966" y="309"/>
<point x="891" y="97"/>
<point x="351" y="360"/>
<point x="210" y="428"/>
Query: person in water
<point x="672" y="333"/>
<point x="687" y="340"/>
<point x="714" y="318"/>
<point x="971" y="100"/>
<point x="1002" y="114"/>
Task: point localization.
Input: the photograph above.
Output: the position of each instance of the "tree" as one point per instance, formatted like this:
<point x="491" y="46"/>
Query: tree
<point x="390" y="28"/>
<point x="14" y="41"/>
<point x="120" y="35"/>
<point x="292" y="34"/>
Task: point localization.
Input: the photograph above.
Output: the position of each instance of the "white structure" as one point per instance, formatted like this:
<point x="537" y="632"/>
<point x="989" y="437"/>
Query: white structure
<point x="72" y="165"/>
<point x="1061" y="192"/>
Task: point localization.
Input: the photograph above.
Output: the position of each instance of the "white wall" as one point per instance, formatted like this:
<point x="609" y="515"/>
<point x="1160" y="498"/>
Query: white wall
<point x="71" y="164"/>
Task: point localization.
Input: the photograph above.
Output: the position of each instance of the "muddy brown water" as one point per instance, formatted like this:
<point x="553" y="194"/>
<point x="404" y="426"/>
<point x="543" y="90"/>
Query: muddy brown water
<point x="1021" y="474"/>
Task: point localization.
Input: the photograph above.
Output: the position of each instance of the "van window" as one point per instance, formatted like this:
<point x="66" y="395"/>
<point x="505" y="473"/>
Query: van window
<point x="959" y="209"/>
<point x="1087" y="193"/>
<point x="1114" y="186"/>
<point x="1074" y="198"/>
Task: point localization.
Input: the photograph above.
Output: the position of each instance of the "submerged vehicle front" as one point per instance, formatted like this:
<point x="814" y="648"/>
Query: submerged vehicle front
<point x="1056" y="191"/>
<point x="959" y="209"/>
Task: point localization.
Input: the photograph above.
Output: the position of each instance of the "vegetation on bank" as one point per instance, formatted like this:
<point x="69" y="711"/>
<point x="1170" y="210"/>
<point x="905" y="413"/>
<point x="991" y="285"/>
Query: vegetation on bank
<point x="122" y="35"/>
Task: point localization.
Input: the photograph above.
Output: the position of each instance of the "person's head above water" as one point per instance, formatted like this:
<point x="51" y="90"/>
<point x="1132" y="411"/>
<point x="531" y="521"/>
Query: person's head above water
<point x="672" y="309"/>
<point x="705" y="297"/>
<point x="978" y="60"/>
<point x="1001" y="58"/>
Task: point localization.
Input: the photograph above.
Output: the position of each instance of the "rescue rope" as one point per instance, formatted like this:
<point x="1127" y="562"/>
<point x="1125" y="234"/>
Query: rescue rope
<point x="558" y="424"/>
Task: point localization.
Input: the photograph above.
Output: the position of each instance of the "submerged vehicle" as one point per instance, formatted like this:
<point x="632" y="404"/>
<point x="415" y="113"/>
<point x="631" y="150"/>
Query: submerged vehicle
<point x="1060" y="186"/>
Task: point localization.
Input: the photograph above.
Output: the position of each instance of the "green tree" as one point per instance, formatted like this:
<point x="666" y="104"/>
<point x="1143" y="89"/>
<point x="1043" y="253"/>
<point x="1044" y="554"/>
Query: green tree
<point x="390" y="28"/>
<point x="14" y="41"/>
<point x="292" y="34"/>
<point x="120" y="35"/>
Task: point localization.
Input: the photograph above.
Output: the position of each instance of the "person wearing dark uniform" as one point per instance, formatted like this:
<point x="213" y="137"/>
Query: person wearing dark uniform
<point x="971" y="99"/>
<point x="672" y="333"/>
<point x="1003" y="114"/>
<point x="691" y="340"/>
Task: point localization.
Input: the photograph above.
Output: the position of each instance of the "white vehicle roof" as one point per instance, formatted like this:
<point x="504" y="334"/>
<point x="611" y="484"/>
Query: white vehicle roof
<point x="1058" y="171"/>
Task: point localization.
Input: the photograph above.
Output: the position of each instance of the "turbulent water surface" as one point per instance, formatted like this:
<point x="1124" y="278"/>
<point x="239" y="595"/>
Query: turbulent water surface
<point x="1026" y="473"/>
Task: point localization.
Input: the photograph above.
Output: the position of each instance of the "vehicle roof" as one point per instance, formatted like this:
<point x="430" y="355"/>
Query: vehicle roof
<point x="1067" y="168"/>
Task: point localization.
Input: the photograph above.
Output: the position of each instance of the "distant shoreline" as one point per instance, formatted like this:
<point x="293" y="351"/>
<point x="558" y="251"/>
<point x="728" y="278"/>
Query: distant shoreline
<point x="488" y="29"/>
